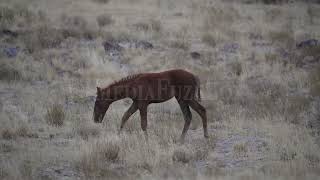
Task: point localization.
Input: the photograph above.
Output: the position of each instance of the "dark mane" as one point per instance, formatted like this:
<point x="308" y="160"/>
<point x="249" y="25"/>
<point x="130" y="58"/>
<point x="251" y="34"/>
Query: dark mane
<point x="125" y="79"/>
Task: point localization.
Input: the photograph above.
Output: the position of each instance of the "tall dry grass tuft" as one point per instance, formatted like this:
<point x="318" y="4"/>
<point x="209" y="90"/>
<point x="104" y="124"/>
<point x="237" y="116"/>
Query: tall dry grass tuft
<point x="86" y="130"/>
<point x="209" y="39"/>
<point x="9" y="72"/>
<point x="104" y="20"/>
<point x="181" y="39"/>
<point x="181" y="155"/>
<point x="97" y="155"/>
<point x="55" y="115"/>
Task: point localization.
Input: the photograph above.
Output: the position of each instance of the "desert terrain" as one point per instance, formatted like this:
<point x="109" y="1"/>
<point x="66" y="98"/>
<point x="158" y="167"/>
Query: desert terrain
<point x="258" y="62"/>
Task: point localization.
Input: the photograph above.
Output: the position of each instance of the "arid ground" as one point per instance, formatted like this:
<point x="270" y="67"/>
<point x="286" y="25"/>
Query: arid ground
<point x="258" y="63"/>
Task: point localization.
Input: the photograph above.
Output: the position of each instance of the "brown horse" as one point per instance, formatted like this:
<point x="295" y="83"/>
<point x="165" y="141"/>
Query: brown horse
<point x="148" y="88"/>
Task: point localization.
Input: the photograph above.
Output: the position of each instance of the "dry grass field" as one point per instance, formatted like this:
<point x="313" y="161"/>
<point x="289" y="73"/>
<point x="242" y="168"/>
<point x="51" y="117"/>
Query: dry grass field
<point x="258" y="63"/>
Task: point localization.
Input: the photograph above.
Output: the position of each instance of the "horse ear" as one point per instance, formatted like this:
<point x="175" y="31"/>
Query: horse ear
<point x="98" y="90"/>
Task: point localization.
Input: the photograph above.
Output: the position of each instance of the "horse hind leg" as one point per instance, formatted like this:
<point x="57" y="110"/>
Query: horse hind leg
<point x="187" y="117"/>
<point x="202" y="112"/>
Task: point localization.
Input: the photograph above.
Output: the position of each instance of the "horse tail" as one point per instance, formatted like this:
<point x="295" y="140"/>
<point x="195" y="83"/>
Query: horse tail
<point x="198" y="88"/>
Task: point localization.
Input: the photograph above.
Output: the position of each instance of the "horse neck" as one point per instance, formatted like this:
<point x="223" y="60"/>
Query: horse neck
<point x="116" y="92"/>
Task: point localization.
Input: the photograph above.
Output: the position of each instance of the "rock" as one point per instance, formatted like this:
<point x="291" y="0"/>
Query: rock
<point x="8" y="32"/>
<point x="61" y="171"/>
<point x="112" y="46"/>
<point x="11" y="51"/>
<point x="230" y="48"/>
<point x="195" y="55"/>
<point x="308" y="43"/>
<point x="255" y="36"/>
<point x="308" y="62"/>
<point x="261" y="44"/>
<point x="144" y="45"/>
<point x="283" y="52"/>
<point x="135" y="44"/>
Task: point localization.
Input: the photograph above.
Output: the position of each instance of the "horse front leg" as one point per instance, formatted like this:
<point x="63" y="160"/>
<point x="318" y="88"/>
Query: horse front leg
<point x="132" y="109"/>
<point x="144" y="120"/>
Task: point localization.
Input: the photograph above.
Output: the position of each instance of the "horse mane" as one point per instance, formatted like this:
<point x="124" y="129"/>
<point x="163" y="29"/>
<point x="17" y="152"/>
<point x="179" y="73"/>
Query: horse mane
<point x="125" y="79"/>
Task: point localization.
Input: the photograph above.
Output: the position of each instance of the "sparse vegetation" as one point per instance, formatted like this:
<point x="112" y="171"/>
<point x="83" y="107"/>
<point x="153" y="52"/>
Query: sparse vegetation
<point x="55" y="115"/>
<point x="84" y="130"/>
<point x="181" y="41"/>
<point x="240" y="149"/>
<point x="96" y="159"/>
<point x="8" y="134"/>
<point x="101" y="1"/>
<point x="104" y="20"/>
<point x="9" y="72"/>
<point x="151" y="25"/>
<point x="236" y="68"/>
<point x="314" y="78"/>
<point x="258" y="64"/>
<point x="209" y="39"/>
<point x="180" y="155"/>
<point x="283" y="37"/>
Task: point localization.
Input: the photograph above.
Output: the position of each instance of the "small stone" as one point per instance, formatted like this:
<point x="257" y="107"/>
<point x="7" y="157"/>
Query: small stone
<point x="308" y="43"/>
<point x="195" y="55"/>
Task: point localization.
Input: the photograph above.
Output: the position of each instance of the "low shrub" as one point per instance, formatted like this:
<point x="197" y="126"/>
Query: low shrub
<point x="55" y="115"/>
<point x="9" y="73"/>
<point x="180" y="155"/>
<point x="104" y="20"/>
<point x="208" y="39"/>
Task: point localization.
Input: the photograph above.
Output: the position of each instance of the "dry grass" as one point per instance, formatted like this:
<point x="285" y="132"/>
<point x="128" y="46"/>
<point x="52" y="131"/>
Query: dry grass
<point x="268" y="101"/>
<point x="180" y="155"/>
<point x="209" y="39"/>
<point x="9" y="73"/>
<point x="55" y="115"/>
<point x="104" y="20"/>
<point x="240" y="149"/>
<point x="181" y="39"/>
